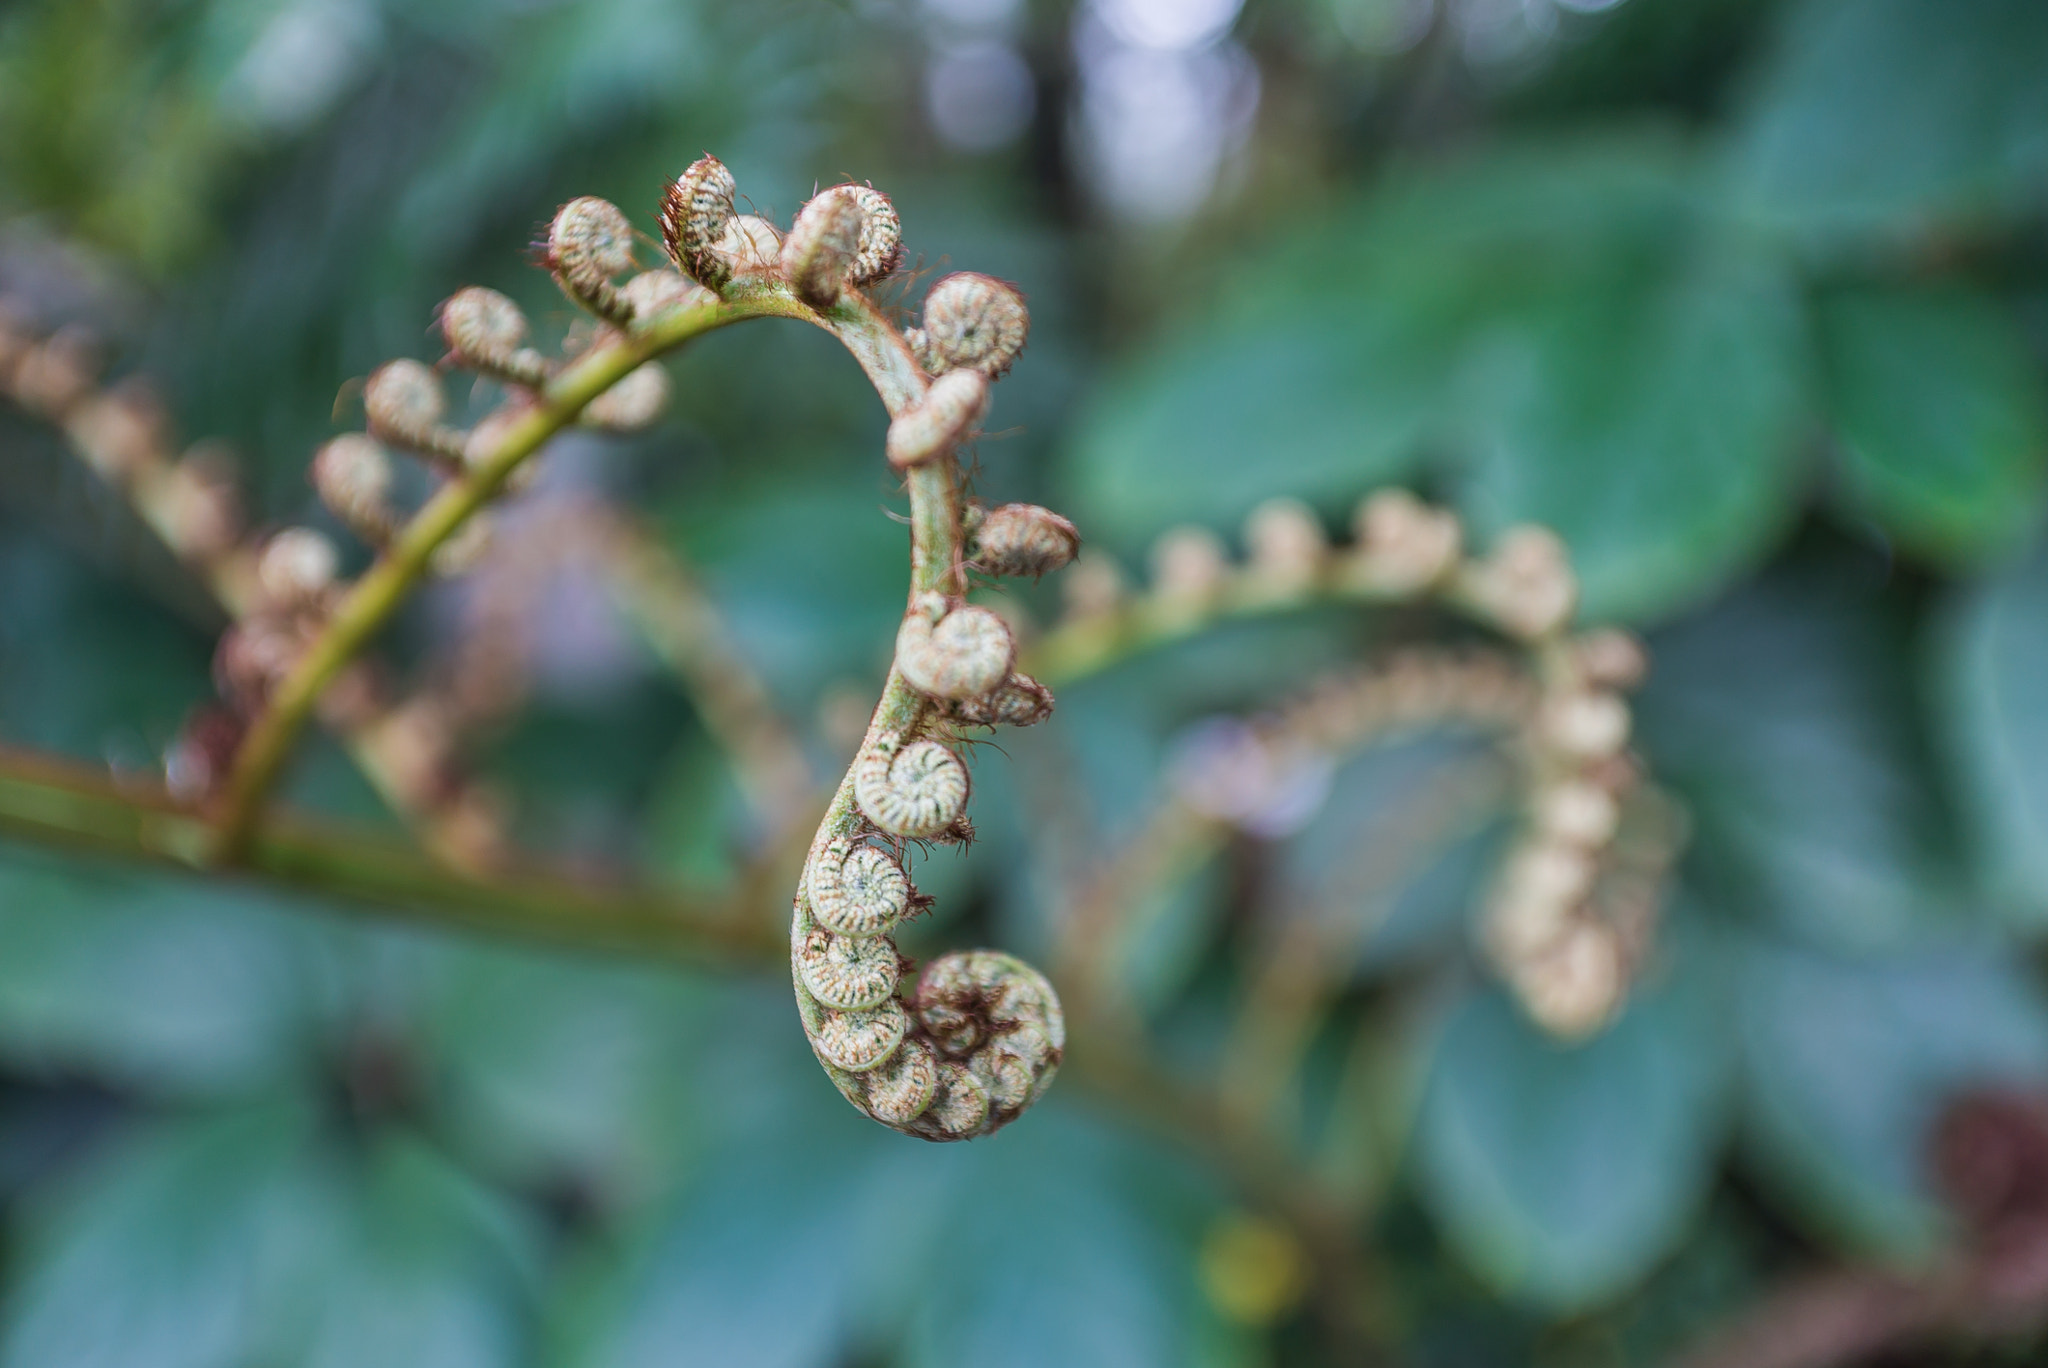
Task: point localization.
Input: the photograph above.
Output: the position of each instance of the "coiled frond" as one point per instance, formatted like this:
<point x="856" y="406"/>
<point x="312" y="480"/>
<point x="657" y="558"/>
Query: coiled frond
<point x="953" y="652"/>
<point x="975" y="321"/>
<point x="976" y="1038"/>
<point x="589" y="244"/>
<point x="694" y="215"/>
<point x="915" y="789"/>
<point x="951" y="409"/>
<point x="1021" y="539"/>
<point x="819" y="253"/>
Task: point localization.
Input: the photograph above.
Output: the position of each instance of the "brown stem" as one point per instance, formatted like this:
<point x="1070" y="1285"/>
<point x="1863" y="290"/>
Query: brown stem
<point x="61" y="804"/>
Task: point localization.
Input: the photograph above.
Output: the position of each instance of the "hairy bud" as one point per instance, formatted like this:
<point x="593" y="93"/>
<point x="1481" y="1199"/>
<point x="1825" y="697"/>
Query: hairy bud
<point x="1539" y="891"/>
<point x="694" y="214"/>
<point x="975" y="321"/>
<point x="1577" y="812"/>
<point x="1612" y="659"/>
<point x="846" y="973"/>
<point x="856" y="890"/>
<point x="1526" y="585"/>
<point x="297" y="567"/>
<point x="1575" y="986"/>
<point x="1404" y="546"/>
<point x="858" y="1041"/>
<point x="1188" y="568"/>
<point x="1286" y="544"/>
<point x="404" y="404"/>
<point x="751" y="246"/>
<point x="654" y="294"/>
<point x="481" y="445"/>
<point x="352" y="474"/>
<point x="1096" y="586"/>
<point x="120" y="431"/>
<point x="953" y="652"/>
<point x="949" y="411"/>
<point x="819" y="253"/>
<point x="881" y="235"/>
<point x="589" y="242"/>
<point x="1000" y="1024"/>
<point x="1023" y="539"/>
<point x="1584" y="726"/>
<point x="903" y="1089"/>
<point x="254" y="655"/>
<point x="633" y="403"/>
<point x="53" y="375"/>
<point x="202" y="511"/>
<point x="916" y="789"/>
<point x="1020" y="701"/>
<point x="486" y="332"/>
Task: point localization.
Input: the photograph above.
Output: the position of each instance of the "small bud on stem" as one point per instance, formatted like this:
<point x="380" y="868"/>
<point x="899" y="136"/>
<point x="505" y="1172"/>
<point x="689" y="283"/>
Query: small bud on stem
<point x="974" y="320"/>
<point x="1023" y="539"/>
<point x="950" y="411"/>
<point x="819" y="253"/>
<point x="694" y="215"/>
<point x="404" y="404"/>
<point x="486" y="332"/>
<point x="590" y="242"/>
<point x="352" y="474"/>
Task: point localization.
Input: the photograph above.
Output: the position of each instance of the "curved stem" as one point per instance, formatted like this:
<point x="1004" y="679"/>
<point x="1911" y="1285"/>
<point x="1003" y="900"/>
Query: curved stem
<point x="1090" y="643"/>
<point x="935" y="539"/>
<point x="380" y="592"/>
<point x="860" y="327"/>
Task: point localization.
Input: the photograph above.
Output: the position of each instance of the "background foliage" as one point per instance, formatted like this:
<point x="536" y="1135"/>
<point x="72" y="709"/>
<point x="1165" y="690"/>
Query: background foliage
<point x="1747" y="298"/>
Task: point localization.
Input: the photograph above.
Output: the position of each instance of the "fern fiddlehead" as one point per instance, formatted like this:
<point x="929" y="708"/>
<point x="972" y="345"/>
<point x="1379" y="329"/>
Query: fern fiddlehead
<point x="969" y="1043"/>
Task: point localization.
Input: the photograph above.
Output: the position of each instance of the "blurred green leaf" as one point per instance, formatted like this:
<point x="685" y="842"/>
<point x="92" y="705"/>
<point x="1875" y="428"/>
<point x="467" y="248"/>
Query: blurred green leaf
<point x="781" y="1256"/>
<point x="1562" y="1173"/>
<point x="1047" y="1253"/>
<point x="809" y="574"/>
<point x="1847" y="1061"/>
<point x="1169" y="933"/>
<point x="1785" y="720"/>
<point x="1320" y="362"/>
<point x="1940" y="411"/>
<point x="190" y="1245"/>
<point x="86" y="667"/>
<point x="697" y="816"/>
<point x="1572" y="322"/>
<point x="1990" y="663"/>
<point x="126" y="144"/>
<point x="568" y="1071"/>
<point x="240" y="1237"/>
<point x="427" y="1269"/>
<point x="161" y="984"/>
<point x="1889" y="116"/>
<point x="1654" y="425"/>
<point x="811" y="1234"/>
<point x="569" y="74"/>
<point x="1317" y="406"/>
